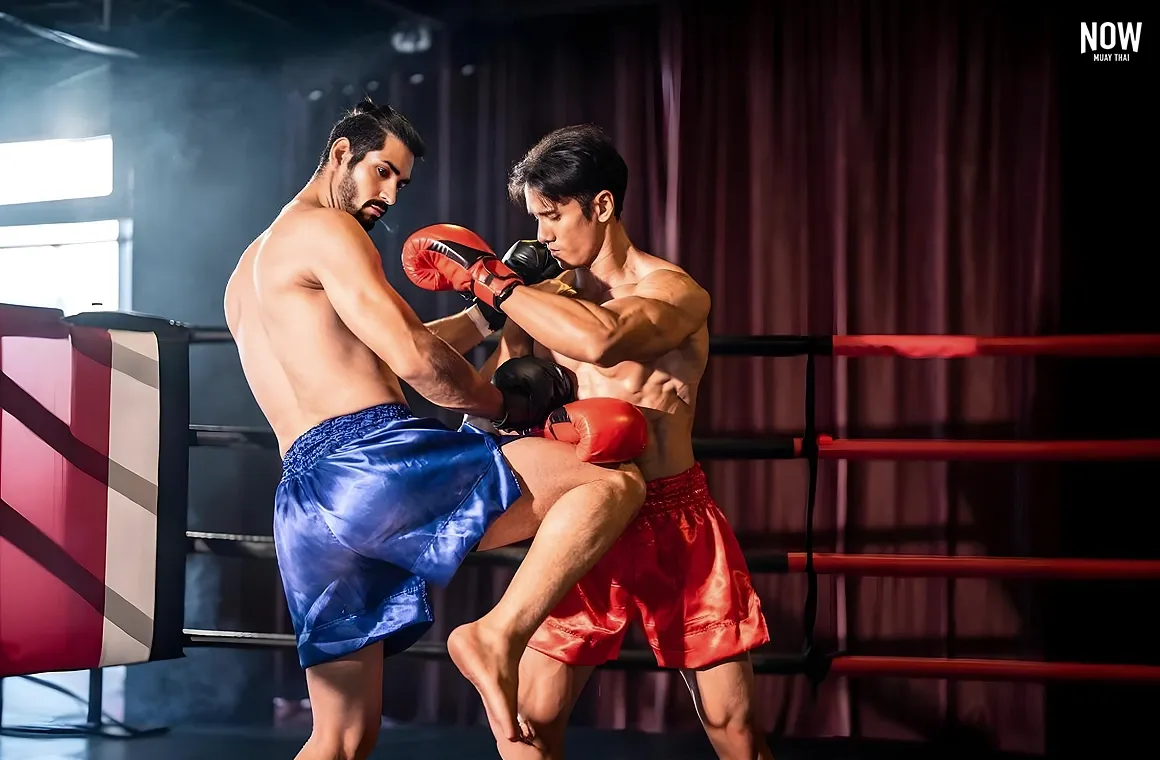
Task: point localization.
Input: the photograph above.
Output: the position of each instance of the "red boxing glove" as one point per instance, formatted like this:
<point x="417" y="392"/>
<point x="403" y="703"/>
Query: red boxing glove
<point x="604" y="430"/>
<point x="450" y="257"/>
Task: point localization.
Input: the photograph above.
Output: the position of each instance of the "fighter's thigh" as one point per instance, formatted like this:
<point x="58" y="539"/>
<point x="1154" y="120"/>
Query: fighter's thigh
<point x="546" y="470"/>
<point x="346" y="696"/>
<point x="723" y="692"/>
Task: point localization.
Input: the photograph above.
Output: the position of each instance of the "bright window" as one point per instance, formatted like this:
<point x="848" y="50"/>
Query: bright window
<point x="73" y="267"/>
<point x="56" y="170"/>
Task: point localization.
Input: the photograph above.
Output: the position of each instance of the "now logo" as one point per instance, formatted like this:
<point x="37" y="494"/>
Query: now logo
<point x="1096" y="36"/>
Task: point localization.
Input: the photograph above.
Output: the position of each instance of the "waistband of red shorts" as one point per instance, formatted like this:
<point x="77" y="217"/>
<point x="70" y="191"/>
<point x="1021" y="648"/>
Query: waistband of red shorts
<point x="685" y="489"/>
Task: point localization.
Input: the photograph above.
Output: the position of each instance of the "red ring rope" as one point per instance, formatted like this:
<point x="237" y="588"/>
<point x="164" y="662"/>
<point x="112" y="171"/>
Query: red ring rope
<point x="942" y="450"/>
<point x="931" y="566"/>
<point x="989" y="670"/>
<point x="964" y="346"/>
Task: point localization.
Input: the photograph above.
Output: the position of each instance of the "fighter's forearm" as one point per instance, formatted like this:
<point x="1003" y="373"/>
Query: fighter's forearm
<point x="446" y="379"/>
<point x="573" y="327"/>
<point x="460" y="331"/>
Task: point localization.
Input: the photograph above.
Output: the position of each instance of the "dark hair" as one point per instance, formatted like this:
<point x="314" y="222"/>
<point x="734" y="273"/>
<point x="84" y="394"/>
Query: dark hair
<point x="572" y="163"/>
<point x="367" y="126"/>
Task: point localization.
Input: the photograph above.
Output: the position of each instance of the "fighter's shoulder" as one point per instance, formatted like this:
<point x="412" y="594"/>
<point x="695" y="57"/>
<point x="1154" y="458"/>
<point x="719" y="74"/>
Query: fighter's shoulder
<point x="668" y="281"/>
<point x="320" y="224"/>
<point x="312" y="237"/>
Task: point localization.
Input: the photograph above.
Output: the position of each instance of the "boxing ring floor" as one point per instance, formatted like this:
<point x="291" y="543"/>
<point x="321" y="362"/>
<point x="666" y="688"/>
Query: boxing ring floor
<point x="453" y="743"/>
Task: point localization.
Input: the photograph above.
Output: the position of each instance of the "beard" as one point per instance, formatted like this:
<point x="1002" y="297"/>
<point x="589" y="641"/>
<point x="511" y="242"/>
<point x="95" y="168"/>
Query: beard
<point x="347" y="194"/>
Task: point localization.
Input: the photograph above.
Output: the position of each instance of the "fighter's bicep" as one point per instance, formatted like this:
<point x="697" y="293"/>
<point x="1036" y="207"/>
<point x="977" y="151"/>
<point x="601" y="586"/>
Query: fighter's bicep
<point x="669" y="305"/>
<point x="369" y="310"/>
<point x="347" y="267"/>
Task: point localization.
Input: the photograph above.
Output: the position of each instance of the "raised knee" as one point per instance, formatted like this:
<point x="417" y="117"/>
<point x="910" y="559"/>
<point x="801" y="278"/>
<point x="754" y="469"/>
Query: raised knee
<point x="629" y="486"/>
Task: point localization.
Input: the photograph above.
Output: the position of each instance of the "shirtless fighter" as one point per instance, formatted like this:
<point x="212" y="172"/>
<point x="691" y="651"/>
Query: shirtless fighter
<point x="375" y="503"/>
<point x="636" y="332"/>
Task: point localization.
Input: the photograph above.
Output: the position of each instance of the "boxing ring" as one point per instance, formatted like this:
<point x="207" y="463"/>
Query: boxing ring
<point x="105" y="546"/>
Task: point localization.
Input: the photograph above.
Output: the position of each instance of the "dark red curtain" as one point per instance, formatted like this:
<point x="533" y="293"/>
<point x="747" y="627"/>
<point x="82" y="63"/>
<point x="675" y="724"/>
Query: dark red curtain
<point x="886" y="168"/>
<point x="830" y="167"/>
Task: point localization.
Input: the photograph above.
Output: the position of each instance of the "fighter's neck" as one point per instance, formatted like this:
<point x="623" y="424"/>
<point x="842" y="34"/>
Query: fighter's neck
<point x="319" y="191"/>
<point x="614" y="265"/>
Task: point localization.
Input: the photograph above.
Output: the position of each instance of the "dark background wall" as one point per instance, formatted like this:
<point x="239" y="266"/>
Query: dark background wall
<point x="219" y="134"/>
<point x="1107" y="509"/>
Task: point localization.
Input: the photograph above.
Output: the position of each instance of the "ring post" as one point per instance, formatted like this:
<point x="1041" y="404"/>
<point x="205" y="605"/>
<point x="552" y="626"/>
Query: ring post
<point x="815" y="665"/>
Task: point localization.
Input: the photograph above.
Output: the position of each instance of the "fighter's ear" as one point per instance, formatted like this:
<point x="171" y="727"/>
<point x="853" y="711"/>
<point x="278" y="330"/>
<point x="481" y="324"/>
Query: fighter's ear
<point x="340" y="150"/>
<point x="604" y="206"/>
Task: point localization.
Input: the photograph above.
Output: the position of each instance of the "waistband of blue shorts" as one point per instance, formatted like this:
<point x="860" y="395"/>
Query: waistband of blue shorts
<point x="330" y="435"/>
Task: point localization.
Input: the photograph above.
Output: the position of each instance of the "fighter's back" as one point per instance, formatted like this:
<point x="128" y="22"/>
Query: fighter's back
<point x="302" y="363"/>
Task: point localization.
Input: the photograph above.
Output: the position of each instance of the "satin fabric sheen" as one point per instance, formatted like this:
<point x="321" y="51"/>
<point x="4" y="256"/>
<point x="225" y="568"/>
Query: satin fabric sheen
<point x="679" y="570"/>
<point x="373" y="506"/>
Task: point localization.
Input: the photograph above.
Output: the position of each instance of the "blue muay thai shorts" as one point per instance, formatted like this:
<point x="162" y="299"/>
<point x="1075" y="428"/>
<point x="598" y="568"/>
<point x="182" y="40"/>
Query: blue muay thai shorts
<point x="372" y="507"/>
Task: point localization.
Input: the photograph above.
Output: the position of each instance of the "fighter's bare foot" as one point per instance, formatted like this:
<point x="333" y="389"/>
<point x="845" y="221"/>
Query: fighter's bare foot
<point x="490" y="663"/>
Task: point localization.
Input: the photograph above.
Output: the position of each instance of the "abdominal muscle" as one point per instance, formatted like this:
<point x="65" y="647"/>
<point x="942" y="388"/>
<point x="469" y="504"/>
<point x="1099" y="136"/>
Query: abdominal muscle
<point x="662" y="398"/>
<point x="302" y="363"/>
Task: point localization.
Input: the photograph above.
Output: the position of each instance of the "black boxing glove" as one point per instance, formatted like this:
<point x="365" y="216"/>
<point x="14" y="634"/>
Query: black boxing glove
<point x="533" y="262"/>
<point x="532" y="389"/>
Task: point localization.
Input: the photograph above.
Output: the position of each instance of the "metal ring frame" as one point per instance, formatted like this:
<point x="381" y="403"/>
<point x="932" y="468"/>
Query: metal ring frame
<point x="813" y="447"/>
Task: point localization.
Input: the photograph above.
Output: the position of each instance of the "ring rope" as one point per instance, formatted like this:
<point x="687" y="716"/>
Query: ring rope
<point x="967" y="346"/>
<point x="936" y="346"/>
<point x="852" y="666"/>
<point x="934" y="566"/>
<point x="765" y="561"/>
<point x="784" y="447"/>
<point x="941" y="449"/>
<point x="990" y="670"/>
<point x="900" y="346"/>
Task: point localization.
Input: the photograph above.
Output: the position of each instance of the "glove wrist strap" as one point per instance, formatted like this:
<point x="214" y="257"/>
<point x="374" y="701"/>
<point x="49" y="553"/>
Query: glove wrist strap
<point x="475" y="313"/>
<point x="493" y="293"/>
<point x="494" y="281"/>
<point x="501" y="296"/>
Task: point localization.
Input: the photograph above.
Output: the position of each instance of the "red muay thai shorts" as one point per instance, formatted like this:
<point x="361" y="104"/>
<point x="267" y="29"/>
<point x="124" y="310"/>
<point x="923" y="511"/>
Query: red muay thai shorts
<point x="679" y="569"/>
